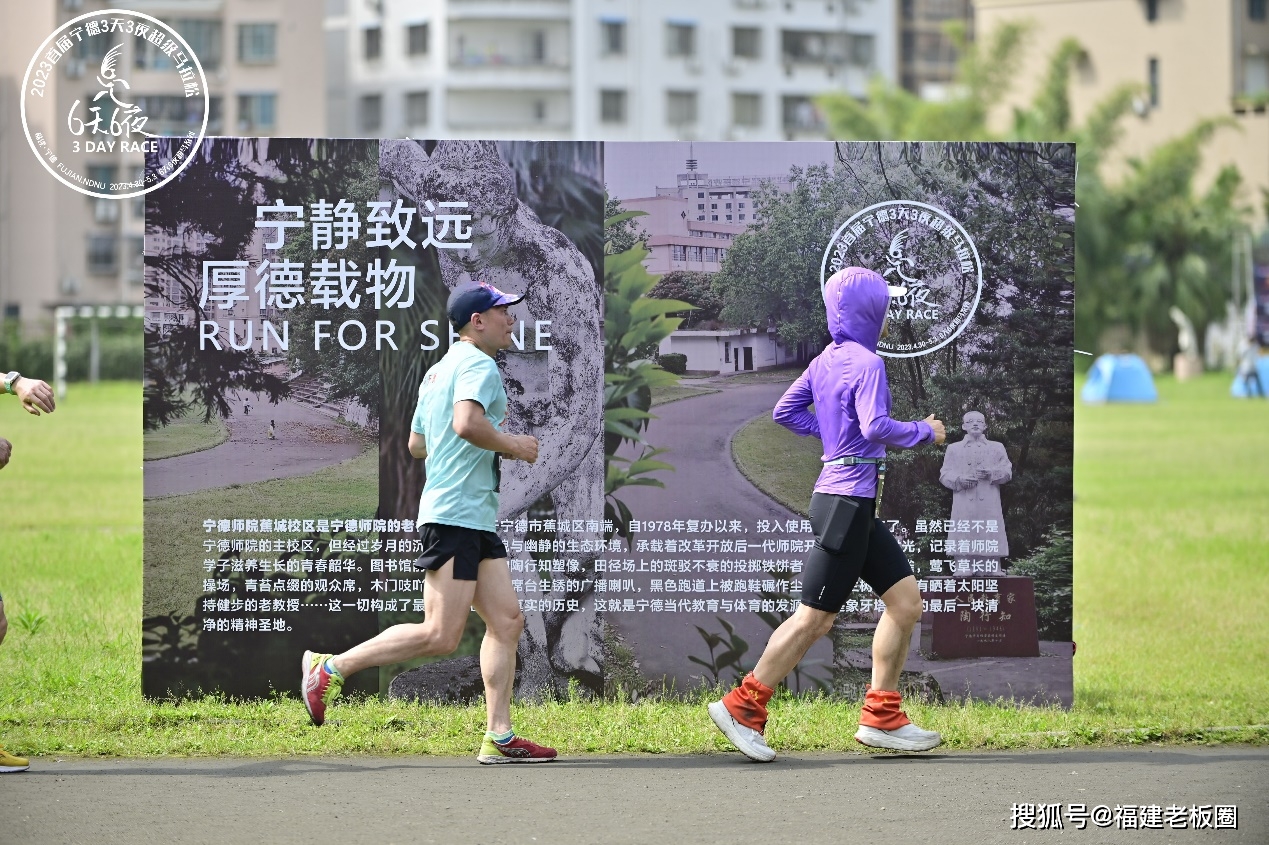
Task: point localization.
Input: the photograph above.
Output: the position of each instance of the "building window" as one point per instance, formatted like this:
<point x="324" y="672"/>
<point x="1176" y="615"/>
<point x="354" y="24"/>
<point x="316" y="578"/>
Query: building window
<point x="861" y="50"/>
<point x="138" y="203"/>
<point x="612" y="106"/>
<point x="1152" y="73"/>
<point x="680" y="107"/>
<point x="700" y="206"/>
<point x="711" y="254"/>
<point x="93" y="50"/>
<point x="722" y="254"/>
<point x="537" y="47"/>
<point x="678" y="252"/>
<point x="746" y="42"/>
<point x="370" y="112"/>
<point x="713" y="218"/>
<point x="800" y="114"/>
<point x="1152" y="10"/>
<point x="727" y="205"/>
<point x="135" y="260"/>
<point x="700" y="195"/>
<point x="416" y="39"/>
<point x="746" y="109"/>
<point x="416" y="108"/>
<point x="203" y="36"/>
<point x="680" y="40"/>
<point x="612" y="38"/>
<point x="173" y="115"/>
<point x="726" y="351"/>
<point x="814" y="47"/>
<point x="103" y="255"/>
<point x="257" y="113"/>
<point x="539" y="111"/>
<point x="257" y="43"/>
<point x="372" y="43"/>
<point x="693" y="253"/>
<point x="1256" y="10"/>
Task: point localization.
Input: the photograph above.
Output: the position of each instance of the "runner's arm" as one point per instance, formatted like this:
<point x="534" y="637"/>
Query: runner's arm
<point x="793" y="409"/>
<point x="471" y="424"/>
<point x="417" y="445"/>
<point x="872" y="404"/>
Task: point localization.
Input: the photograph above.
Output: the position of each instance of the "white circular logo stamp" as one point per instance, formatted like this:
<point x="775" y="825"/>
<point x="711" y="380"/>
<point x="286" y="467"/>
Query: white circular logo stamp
<point x="920" y="247"/>
<point x="100" y="51"/>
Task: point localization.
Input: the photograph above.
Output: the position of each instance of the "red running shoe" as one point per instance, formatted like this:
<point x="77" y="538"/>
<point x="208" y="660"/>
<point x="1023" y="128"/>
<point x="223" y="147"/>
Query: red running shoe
<point x="319" y="687"/>
<point x="518" y="750"/>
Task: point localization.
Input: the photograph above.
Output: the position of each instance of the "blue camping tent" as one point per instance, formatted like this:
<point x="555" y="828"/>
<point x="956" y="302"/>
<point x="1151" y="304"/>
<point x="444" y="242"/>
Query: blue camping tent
<point x="1239" y="388"/>
<point x="1119" y="378"/>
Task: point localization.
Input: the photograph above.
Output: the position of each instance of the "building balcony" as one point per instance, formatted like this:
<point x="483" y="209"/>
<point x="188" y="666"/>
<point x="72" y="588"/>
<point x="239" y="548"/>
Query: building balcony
<point x="501" y="10"/>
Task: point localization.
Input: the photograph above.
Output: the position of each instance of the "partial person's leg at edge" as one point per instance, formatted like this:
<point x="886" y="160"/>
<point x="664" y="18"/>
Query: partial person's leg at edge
<point x="882" y="723"/>
<point x="446" y="603"/>
<point x="498" y="605"/>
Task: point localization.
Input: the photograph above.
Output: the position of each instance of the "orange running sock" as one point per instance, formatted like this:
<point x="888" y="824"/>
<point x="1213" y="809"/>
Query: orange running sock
<point x="882" y="711"/>
<point x="747" y="703"/>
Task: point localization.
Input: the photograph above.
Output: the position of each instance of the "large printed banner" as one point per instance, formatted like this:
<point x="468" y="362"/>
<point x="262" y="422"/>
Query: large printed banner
<point x="295" y="295"/>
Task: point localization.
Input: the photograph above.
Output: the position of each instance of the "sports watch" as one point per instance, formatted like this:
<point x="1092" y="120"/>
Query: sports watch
<point x="10" y="379"/>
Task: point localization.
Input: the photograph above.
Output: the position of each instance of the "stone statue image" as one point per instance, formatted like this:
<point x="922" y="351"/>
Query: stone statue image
<point x="973" y="469"/>
<point x="556" y="395"/>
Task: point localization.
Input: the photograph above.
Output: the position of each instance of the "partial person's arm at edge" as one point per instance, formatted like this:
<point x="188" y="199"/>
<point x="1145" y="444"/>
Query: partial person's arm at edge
<point x="35" y="395"/>
<point x="793" y="409"/>
<point x="874" y="419"/>
<point x="417" y="445"/>
<point x="471" y="424"/>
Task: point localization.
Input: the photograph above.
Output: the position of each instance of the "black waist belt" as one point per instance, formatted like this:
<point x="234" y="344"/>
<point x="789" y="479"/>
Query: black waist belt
<point x="853" y="461"/>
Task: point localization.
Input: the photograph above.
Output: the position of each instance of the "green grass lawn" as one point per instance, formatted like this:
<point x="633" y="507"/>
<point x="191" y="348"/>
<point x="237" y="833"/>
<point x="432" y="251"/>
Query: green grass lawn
<point x="1170" y="581"/>
<point x="675" y="392"/>
<point x="185" y="435"/>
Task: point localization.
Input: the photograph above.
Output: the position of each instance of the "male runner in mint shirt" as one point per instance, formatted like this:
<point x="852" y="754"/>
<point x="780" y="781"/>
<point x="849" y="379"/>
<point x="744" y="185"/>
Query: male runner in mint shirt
<point x="456" y="428"/>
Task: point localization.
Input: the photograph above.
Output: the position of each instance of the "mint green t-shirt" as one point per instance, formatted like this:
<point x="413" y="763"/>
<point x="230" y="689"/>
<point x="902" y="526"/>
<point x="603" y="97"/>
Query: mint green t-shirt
<point x="460" y="477"/>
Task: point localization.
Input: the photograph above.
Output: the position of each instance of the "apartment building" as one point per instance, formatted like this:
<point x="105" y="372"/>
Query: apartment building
<point x="599" y="69"/>
<point x="927" y="53"/>
<point x="1193" y="60"/>
<point x="265" y="76"/>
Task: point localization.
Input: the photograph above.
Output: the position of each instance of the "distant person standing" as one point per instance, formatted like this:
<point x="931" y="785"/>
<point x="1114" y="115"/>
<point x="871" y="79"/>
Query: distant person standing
<point x="1249" y="367"/>
<point x="36" y="397"/>
<point x="456" y="428"/>
<point x="272" y="435"/>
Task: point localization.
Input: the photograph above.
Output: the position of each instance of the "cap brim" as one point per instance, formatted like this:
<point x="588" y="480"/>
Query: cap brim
<point x="508" y="299"/>
<point x="896" y="290"/>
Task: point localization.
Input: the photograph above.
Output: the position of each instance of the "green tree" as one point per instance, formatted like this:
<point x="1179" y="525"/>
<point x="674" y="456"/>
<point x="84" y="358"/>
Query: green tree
<point x="693" y="287"/>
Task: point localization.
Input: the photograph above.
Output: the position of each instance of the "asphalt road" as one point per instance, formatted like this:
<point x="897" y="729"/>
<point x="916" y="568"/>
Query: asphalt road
<point x="305" y="441"/>
<point x="805" y="798"/>
<point x="705" y="483"/>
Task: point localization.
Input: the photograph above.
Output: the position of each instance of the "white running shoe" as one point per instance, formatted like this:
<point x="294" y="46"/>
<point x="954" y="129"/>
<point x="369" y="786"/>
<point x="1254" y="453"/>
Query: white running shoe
<point x="748" y="741"/>
<point x="907" y="738"/>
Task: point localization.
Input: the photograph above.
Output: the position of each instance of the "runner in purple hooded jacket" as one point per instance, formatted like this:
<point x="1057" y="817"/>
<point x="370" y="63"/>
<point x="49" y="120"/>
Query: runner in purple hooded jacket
<point x="847" y="385"/>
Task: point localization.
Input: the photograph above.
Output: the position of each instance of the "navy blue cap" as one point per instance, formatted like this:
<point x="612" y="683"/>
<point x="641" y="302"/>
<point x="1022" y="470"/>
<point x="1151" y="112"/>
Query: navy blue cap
<point x="476" y="298"/>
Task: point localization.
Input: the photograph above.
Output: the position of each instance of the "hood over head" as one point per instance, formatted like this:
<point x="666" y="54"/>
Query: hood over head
<point x="856" y="300"/>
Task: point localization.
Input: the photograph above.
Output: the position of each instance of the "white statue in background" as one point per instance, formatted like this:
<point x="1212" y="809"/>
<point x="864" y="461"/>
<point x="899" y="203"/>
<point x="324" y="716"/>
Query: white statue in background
<point x="973" y="469"/>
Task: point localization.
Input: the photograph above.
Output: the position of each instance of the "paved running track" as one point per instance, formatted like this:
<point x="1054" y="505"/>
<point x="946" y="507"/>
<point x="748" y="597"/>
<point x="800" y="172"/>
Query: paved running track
<point x="949" y="799"/>
<point x="306" y="441"/>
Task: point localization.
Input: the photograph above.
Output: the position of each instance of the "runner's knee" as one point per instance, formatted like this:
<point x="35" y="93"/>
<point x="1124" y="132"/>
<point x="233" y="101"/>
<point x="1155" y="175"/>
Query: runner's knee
<point x="506" y="626"/>
<point x="904" y="605"/>
<point x="814" y="623"/>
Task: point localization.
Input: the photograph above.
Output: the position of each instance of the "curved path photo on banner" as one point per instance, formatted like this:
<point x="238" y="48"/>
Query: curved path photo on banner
<point x="706" y="483"/>
<point x="304" y="441"/>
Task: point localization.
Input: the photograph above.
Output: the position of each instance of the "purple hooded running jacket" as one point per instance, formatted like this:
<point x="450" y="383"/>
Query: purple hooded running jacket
<point x="847" y="384"/>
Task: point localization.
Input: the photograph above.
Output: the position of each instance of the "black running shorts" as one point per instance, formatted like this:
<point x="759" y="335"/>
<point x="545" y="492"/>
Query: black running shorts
<point x="869" y="552"/>
<point x="467" y="547"/>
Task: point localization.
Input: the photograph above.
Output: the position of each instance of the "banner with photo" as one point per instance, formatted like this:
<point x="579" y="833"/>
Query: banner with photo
<point x="295" y="295"/>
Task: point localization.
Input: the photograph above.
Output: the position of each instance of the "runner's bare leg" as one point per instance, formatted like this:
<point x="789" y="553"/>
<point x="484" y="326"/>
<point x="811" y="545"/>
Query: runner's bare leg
<point x="499" y="607"/>
<point x="446" y="604"/>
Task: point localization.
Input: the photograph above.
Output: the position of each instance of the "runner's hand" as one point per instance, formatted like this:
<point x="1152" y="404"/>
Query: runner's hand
<point x="35" y="395"/>
<point x="524" y="447"/>
<point x="940" y="433"/>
